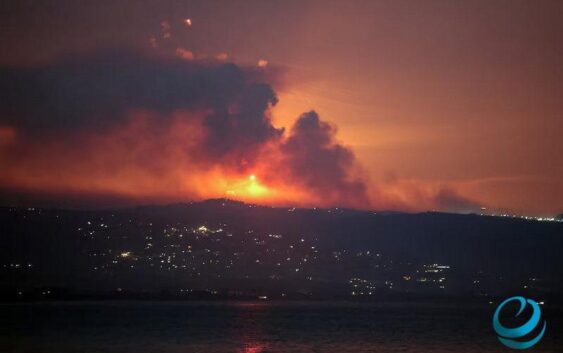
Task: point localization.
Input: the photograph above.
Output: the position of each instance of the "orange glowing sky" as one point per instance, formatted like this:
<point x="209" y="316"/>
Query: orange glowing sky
<point x="437" y="99"/>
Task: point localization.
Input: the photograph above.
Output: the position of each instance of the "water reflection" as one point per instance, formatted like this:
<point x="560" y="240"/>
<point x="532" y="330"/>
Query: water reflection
<point x="253" y="348"/>
<point x="248" y="324"/>
<point x="172" y="327"/>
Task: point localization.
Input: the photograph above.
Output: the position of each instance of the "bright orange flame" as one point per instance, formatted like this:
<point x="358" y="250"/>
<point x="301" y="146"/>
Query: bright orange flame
<point x="247" y="188"/>
<point x="142" y="160"/>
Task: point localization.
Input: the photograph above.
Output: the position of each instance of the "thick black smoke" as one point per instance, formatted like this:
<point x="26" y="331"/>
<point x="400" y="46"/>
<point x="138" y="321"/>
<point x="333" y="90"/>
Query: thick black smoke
<point x="95" y="93"/>
<point x="321" y="164"/>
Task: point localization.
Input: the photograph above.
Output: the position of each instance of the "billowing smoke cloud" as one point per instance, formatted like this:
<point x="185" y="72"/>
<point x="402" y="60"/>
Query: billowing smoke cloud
<point x="135" y="125"/>
<point x="325" y="167"/>
<point x="130" y="128"/>
<point x="95" y="93"/>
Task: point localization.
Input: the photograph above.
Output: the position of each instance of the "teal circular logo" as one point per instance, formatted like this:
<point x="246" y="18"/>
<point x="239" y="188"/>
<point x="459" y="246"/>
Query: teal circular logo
<point x="508" y="336"/>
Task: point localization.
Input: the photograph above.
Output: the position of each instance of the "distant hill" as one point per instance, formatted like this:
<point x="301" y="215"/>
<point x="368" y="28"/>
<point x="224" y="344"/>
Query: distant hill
<point x="227" y="249"/>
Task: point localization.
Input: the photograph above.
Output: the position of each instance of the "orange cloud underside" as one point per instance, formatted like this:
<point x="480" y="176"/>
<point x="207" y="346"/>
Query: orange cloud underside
<point x="142" y="159"/>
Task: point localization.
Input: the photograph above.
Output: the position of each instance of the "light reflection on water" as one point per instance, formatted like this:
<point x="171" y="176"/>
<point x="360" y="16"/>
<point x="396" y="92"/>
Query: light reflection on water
<point x="250" y="334"/>
<point x="253" y="348"/>
<point x="262" y="327"/>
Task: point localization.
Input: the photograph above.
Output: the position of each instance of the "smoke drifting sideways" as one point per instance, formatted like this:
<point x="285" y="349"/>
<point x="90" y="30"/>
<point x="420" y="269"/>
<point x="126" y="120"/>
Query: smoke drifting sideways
<point x="127" y="128"/>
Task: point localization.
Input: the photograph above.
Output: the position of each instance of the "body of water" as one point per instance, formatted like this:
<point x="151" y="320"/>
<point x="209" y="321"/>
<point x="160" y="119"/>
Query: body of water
<point x="159" y="327"/>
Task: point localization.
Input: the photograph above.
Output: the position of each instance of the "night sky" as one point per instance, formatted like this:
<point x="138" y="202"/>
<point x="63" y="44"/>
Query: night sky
<point x="404" y="105"/>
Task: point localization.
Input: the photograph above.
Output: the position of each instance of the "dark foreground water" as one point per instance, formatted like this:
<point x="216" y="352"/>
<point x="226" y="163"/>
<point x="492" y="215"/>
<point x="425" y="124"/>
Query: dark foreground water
<point x="142" y="327"/>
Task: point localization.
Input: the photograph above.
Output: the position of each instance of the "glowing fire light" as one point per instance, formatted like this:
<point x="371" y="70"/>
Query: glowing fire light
<point x="249" y="188"/>
<point x="262" y="63"/>
<point x="188" y="22"/>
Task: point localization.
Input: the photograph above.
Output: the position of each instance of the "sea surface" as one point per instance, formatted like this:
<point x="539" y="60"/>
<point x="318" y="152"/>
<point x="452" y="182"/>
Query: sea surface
<point x="257" y="327"/>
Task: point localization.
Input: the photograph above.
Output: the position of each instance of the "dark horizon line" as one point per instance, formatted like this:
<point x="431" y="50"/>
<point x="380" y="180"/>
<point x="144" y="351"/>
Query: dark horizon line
<point x="251" y="204"/>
